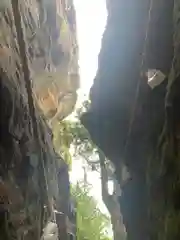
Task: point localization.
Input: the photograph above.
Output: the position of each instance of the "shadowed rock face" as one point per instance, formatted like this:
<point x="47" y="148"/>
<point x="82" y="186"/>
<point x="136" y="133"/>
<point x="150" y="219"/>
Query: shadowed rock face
<point x="28" y="162"/>
<point x="21" y="179"/>
<point x="115" y="86"/>
<point x="113" y="99"/>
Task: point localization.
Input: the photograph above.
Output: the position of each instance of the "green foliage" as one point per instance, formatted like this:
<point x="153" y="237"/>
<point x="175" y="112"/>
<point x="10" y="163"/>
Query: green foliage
<point x="92" y="224"/>
<point x="83" y="108"/>
<point x="63" y="138"/>
<point x="81" y="139"/>
<point x="67" y="133"/>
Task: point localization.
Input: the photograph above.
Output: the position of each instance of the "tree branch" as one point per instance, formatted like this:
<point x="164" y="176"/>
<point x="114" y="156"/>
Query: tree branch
<point x="111" y="201"/>
<point x="104" y="181"/>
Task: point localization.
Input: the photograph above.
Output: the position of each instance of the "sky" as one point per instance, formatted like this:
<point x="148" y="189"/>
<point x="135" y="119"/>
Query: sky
<point x="91" y="20"/>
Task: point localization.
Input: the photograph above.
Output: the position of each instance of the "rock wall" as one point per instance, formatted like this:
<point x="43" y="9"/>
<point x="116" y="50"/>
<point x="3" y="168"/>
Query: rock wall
<point x="30" y="185"/>
<point x="50" y="32"/>
<point x="135" y="125"/>
<point x="56" y="88"/>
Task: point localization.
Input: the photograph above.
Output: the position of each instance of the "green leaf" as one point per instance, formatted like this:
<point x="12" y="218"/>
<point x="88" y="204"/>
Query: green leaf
<point x="91" y="222"/>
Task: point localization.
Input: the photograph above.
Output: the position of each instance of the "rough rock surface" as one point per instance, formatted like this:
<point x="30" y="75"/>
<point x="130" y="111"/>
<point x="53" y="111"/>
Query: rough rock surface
<point x="31" y="173"/>
<point x="50" y="33"/>
<point x="135" y="125"/>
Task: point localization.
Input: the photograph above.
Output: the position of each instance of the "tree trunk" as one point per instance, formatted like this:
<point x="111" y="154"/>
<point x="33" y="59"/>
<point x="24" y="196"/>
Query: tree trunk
<point x="111" y="202"/>
<point x="116" y="220"/>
